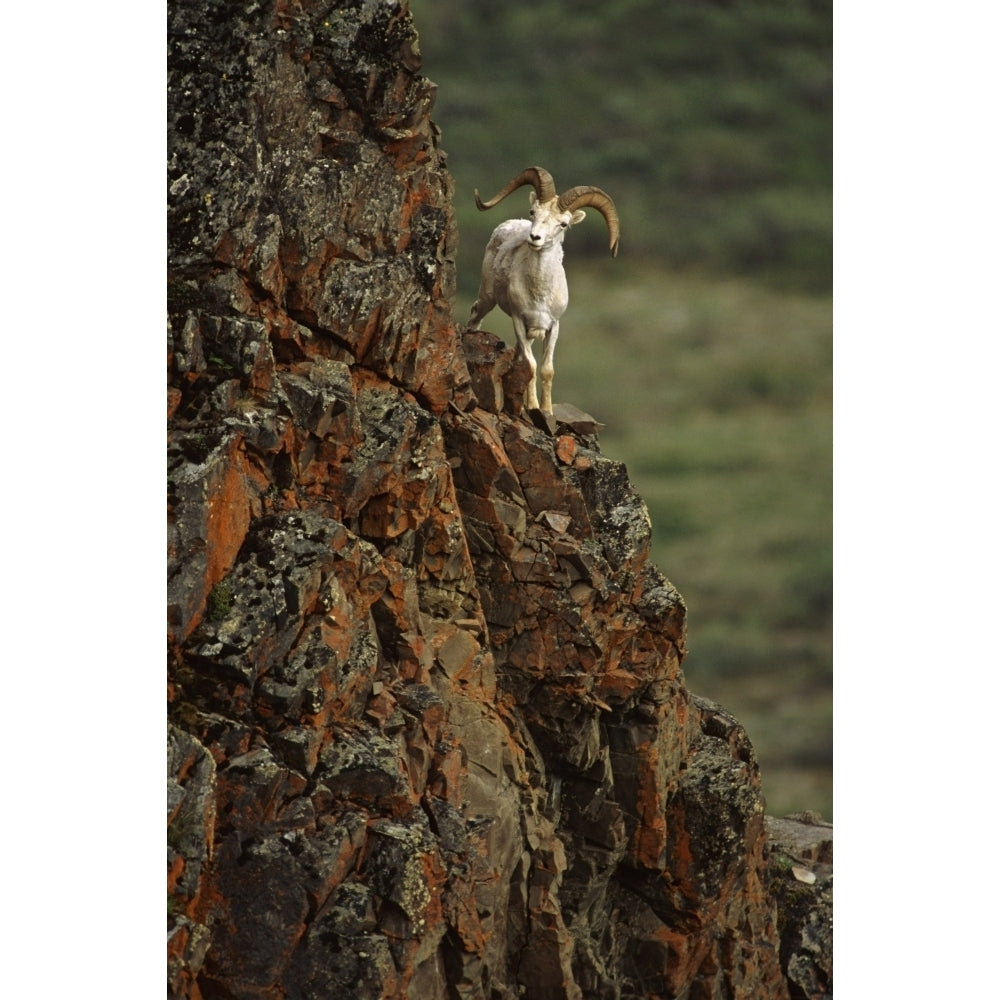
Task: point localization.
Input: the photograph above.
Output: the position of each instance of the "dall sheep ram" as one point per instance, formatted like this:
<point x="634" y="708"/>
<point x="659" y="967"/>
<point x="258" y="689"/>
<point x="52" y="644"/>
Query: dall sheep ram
<point x="522" y="267"/>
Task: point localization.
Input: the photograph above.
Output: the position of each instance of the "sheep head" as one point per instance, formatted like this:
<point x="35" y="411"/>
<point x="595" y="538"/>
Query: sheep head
<point x="551" y="213"/>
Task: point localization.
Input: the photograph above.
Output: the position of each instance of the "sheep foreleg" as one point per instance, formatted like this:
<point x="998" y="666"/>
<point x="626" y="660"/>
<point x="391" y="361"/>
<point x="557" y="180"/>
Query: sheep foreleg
<point x="524" y="338"/>
<point x="548" y="370"/>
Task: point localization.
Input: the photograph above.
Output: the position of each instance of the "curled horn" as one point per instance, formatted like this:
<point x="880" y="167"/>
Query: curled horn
<point x="539" y="179"/>
<point x="577" y="197"/>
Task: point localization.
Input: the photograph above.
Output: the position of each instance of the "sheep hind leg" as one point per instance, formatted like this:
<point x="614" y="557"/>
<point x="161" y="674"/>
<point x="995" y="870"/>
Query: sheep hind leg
<point x="480" y="308"/>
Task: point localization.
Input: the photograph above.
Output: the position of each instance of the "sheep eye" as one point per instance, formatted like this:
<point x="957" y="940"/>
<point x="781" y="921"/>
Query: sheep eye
<point x="564" y="224"/>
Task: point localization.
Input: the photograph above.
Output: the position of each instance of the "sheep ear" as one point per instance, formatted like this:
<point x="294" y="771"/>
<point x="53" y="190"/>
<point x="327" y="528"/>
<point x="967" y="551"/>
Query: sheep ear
<point x="532" y="198"/>
<point x="578" y="216"/>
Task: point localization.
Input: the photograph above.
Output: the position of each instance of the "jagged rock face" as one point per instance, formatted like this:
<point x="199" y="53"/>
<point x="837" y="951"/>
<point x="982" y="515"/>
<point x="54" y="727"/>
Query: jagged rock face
<point x="429" y="735"/>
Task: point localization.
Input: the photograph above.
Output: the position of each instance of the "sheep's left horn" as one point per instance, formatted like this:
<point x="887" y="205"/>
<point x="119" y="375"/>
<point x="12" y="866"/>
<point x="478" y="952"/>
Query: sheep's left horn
<point x="538" y="177"/>
<point x="577" y="197"/>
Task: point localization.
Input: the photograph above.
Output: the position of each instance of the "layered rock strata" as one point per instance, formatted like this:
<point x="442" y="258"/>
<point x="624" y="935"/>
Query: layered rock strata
<point x="429" y="735"/>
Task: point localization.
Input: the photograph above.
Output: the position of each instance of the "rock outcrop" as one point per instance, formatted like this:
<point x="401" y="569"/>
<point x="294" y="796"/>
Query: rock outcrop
<point x="429" y="735"/>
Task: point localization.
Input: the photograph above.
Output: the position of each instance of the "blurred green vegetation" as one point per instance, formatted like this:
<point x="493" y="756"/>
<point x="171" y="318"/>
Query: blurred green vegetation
<point x="706" y="347"/>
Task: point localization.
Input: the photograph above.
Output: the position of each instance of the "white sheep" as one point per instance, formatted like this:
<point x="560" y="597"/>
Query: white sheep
<point x="523" y="272"/>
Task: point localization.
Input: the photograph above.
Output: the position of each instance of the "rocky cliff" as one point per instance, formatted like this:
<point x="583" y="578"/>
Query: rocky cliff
<point x="428" y="731"/>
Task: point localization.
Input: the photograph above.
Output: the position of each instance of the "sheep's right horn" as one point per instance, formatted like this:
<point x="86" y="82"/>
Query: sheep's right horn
<point x="538" y="178"/>
<point x="577" y="197"/>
